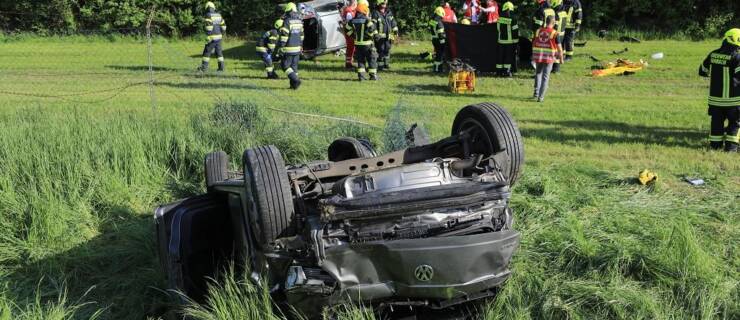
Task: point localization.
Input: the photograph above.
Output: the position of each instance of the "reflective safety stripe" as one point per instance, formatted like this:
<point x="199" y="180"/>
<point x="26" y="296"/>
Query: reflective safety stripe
<point x="289" y="70"/>
<point x="363" y="43"/>
<point x="220" y="59"/>
<point x="291" y="49"/>
<point x="206" y="59"/>
<point x="209" y="28"/>
<point x="360" y="70"/>
<point x="726" y="82"/>
<point x="737" y="70"/>
<point x="372" y="70"/>
<point x="735" y="138"/>
<point x="284" y="38"/>
<point x="716" y="138"/>
<point x="269" y="69"/>
<point x="569" y="53"/>
<point x="215" y="37"/>
<point x="543" y="50"/>
<point x="271" y="46"/>
<point x="260" y="49"/>
<point x="724" y="102"/>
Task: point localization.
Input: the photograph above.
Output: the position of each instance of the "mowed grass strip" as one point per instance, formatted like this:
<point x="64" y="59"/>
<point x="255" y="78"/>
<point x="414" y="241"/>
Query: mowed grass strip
<point x="81" y="173"/>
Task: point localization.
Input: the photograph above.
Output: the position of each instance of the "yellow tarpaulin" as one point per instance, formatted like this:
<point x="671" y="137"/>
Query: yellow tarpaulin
<point x="619" y="67"/>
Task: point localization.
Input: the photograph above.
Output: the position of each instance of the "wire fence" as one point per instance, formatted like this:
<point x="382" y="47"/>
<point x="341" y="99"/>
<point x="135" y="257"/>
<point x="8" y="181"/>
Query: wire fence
<point x="159" y="62"/>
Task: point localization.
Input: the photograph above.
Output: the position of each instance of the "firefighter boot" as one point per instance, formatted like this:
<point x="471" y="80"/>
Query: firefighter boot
<point x="272" y="75"/>
<point x="221" y="66"/>
<point x="374" y="77"/>
<point x="203" y="66"/>
<point x="361" y="76"/>
<point x="295" y="82"/>
<point x="730" y="146"/>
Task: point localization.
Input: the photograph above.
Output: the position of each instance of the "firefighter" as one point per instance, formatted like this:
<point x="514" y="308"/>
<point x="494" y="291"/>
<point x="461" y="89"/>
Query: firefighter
<point x="348" y="13"/>
<point x="543" y="11"/>
<point x="575" y="17"/>
<point x="508" y="38"/>
<point x="290" y="43"/>
<point x="722" y="66"/>
<point x="561" y="19"/>
<point x="439" y="38"/>
<point x="266" y="48"/>
<point x="387" y="32"/>
<point x="215" y="27"/>
<point x="364" y="32"/>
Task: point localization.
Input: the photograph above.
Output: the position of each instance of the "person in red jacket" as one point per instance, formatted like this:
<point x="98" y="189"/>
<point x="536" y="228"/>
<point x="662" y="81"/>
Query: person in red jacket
<point x="471" y="10"/>
<point x="490" y="12"/>
<point x="348" y="13"/>
<point x="449" y="14"/>
<point x="546" y="50"/>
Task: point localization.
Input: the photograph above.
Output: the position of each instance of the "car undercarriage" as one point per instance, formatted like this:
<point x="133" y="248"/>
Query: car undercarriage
<point x="424" y="227"/>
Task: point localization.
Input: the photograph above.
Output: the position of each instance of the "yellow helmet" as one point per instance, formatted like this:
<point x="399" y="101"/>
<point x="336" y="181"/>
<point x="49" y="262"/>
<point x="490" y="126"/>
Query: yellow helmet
<point x="508" y="6"/>
<point x="210" y="5"/>
<point x="278" y="23"/>
<point x="290" y="7"/>
<point x="733" y="36"/>
<point x="439" y="11"/>
<point x="555" y="3"/>
<point x="365" y="2"/>
<point x="379" y="2"/>
<point x="465" y="21"/>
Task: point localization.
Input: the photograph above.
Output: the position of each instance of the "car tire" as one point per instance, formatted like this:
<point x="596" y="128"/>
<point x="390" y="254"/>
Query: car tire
<point x="493" y="129"/>
<point x="271" y="209"/>
<point x="350" y="148"/>
<point x="216" y="168"/>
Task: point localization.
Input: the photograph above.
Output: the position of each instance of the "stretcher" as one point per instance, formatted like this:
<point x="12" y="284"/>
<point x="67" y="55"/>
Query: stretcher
<point x="620" y="67"/>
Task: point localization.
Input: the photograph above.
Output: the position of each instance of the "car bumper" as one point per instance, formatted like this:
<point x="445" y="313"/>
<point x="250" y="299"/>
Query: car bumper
<point x="460" y="266"/>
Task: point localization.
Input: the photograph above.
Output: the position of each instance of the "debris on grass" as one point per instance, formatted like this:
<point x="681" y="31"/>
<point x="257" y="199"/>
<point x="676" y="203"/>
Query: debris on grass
<point x="694" y="181"/>
<point x="647" y="177"/>
<point x="619" y="67"/>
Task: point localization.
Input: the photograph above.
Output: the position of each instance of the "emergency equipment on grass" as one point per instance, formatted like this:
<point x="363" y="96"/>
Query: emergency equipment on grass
<point x="619" y="67"/>
<point x="462" y="77"/>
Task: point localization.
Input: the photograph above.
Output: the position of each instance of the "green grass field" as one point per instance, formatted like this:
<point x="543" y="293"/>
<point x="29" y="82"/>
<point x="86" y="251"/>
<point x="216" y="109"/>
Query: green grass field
<point x="84" y="159"/>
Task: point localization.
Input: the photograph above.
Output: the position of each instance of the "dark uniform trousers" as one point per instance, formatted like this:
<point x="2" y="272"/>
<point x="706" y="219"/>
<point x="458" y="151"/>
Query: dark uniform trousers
<point x="290" y="65"/>
<point x="439" y="54"/>
<point x="366" y="57"/>
<point x="570" y="37"/>
<point x="730" y="133"/>
<point x="383" y="46"/>
<point x="211" y="46"/>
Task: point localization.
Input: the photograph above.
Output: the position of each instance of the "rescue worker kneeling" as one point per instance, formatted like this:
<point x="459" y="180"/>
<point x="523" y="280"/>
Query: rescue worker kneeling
<point x="439" y="38"/>
<point x="290" y="44"/>
<point x="266" y="48"/>
<point x="363" y="30"/>
<point x="215" y="27"/>
<point x="722" y="66"/>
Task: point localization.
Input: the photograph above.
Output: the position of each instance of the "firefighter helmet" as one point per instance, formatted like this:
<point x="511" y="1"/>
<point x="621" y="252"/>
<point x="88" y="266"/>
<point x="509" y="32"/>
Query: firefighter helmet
<point x="363" y="8"/>
<point x="278" y="23"/>
<point x="439" y="11"/>
<point x="555" y="3"/>
<point x="508" y="6"/>
<point x="210" y="5"/>
<point x="365" y="2"/>
<point x="381" y="2"/>
<point x="465" y="21"/>
<point x="733" y="36"/>
<point x="290" y="7"/>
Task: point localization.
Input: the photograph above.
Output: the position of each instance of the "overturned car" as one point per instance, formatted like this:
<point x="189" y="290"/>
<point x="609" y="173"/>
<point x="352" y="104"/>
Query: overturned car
<point x="425" y="227"/>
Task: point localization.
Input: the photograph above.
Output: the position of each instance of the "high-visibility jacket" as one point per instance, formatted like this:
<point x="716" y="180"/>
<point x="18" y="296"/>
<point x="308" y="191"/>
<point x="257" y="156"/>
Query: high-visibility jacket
<point x="541" y="15"/>
<point x="268" y="41"/>
<point x="491" y="12"/>
<point x="291" y="34"/>
<point x="545" y="45"/>
<point x="215" y="26"/>
<point x="508" y="29"/>
<point x="362" y="29"/>
<point x="722" y="66"/>
<point x="575" y="14"/>
<point x="561" y="19"/>
<point x="385" y="23"/>
<point x="437" y="27"/>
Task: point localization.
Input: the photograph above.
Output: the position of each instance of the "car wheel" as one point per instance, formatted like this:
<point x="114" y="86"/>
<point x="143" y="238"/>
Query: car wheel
<point x="266" y="180"/>
<point x="216" y="165"/>
<point x="492" y="129"/>
<point x="350" y="148"/>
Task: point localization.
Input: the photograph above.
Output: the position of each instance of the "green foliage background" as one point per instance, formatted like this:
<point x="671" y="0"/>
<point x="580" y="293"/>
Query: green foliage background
<point x="695" y="18"/>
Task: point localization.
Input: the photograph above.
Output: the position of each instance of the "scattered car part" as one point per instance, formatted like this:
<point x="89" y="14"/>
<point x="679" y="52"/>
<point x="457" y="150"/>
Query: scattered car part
<point x="425" y="227"/>
<point x="629" y="39"/>
<point x="216" y="168"/>
<point x="350" y="148"/>
<point x="619" y="67"/>
<point x="657" y="56"/>
<point x="620" y="51"/>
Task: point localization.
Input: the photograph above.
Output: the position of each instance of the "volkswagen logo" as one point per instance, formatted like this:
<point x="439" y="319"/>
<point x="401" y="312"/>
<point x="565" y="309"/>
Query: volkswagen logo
<point x="424" y="272"/>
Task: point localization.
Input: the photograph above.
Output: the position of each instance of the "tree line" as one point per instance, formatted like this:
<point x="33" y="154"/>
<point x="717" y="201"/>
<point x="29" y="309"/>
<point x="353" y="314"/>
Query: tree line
<point x="695" y="18"/>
